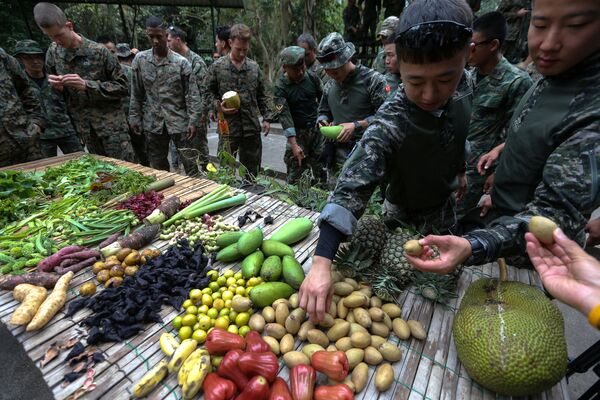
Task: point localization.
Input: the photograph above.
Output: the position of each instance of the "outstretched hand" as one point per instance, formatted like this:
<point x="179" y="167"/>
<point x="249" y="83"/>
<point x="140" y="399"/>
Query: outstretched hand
<point x="454" y="250"/>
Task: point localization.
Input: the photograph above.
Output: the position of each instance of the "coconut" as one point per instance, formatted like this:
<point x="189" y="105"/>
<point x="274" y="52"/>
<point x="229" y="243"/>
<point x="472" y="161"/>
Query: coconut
<point x="231" y="99"/>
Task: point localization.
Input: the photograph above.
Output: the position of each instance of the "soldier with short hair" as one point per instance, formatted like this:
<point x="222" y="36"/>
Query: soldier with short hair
<point x="92" y="81"/>
<point x="308" y="43"/>
<point x="392" y="73"/>
<point x="236" y="72"/>
<point x="59" y="130"/>
<point x="21" y="114"/>
<point x="165" y="103"/>
<point x="297" y="94"/>
<point x="385" y="35"/>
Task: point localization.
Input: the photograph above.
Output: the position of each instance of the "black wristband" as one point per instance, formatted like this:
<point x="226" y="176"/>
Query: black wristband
<point x="329" y="241"/>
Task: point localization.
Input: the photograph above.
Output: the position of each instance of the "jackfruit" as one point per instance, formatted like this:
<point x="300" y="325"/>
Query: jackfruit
<point x="510" y="337"/>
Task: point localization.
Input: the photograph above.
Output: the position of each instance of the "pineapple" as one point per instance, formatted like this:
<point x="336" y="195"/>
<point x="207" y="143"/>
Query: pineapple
<point x="392" y="258"/>
<point x="352" y="261"/>
<point x="384" y="286"/>
<point x="371" y="233"/>
<point x="435" y="287"/>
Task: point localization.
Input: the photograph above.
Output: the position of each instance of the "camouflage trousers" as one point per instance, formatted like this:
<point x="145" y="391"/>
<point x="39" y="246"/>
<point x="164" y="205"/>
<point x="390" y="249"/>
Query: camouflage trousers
<point x="140" y="148"/>
<point x="67" y="144"/>
<point x="116" y="145"/>
<point x="158" y="151"/>
<point x="247" y="148"/>
<point x="311" y="143"/>
<point x="20" y="147"/>
<point x="335" y="154"/>
<point x="475" y="183"/>
<point x="440" y="221"/>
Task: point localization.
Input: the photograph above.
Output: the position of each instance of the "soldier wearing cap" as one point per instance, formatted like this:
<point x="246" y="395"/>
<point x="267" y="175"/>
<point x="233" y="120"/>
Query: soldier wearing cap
<point x="59" y="130"/>
<point x="350" y="99"/>
<point x="387" y="31"/>
<point x="124" y="54"/>
<point x="297" y="94"/>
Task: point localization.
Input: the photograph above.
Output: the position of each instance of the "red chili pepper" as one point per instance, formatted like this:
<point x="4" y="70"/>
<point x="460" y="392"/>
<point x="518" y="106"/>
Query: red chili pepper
<point x="280" y="390"/>
<point x="334" y="364"/>
<point x="257" y="389"/>
<point x="229" y="369"/>
<point x="302" y="380"/>
<point x="337" y="392"/>
<point x="217" y="388"/>
<point x="264" y="364"/>
<point x="220" y="342"/>
<point x="255" y="343"/>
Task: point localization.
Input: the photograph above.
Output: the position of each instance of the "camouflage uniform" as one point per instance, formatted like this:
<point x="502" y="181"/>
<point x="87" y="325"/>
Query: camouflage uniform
<point x="495" y="99"/>
<point x="419" y="187"/>
<point x="316" y="68"/>
<point x="59" y="130"/>
<point x="388" y="28"/>
<point x="20" y="109"/>
<point x="514" y="47"/>
<point x="96" y="111"/>
<point x="379" y="62"/>
<point x="297" y="105"/>
<point x="358" y="98"/>
<point x="164" y="102"/>
<point x="392" y="84"/>
<point x="244" y="126"/>
<point x="351" y="17"/>
<point x="549" y="166"/>
<point x="200" y="141"/>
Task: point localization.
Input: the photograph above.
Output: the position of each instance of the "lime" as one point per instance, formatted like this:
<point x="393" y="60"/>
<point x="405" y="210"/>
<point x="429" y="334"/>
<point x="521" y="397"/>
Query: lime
<point x="232" y="315"/>
<point x="231" y="281"/>
<point x="222" y="281"/>
<point x="248" y="290"/>
<point x="205" y="323"/>
<point x="243" y="330"/>
<point x="177" y="322"/>
<point x="227" y="295"/>
<point x="213" y="274"/>
<point x="228" y="274"/>
<point x="195" y="295"/>
<point x="259" y="279"/>
<point x="218" y="304"/>
<point x="208" y="290"/>
<point x="240" y="290"/>
<point x="196" y="327"/>
<point x="187" y="303"/>
<point x="188" y="320"/>
<point x="252" y="282"/>
<point x="242" y="319"/>
<point x="191" y="310"/>
<point x="238" y="275"/>
<point x="228" y="303"/>
<point x="232" y="329"/>
<point x="199" y="336"/>
<point x="212" y="287"/>
<point x="207" y="300"/>
<point x="223" y="289"/>
<point x="185" y="332"/>
<point x="224" y="312"/>
<point x="203" y="309"/>
<point x="212" y="313"/>
<point x="240" y="282"/>
<point x="222" y="323"/>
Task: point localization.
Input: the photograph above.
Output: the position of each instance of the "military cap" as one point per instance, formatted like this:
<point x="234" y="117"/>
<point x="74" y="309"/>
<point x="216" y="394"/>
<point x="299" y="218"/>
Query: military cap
<point x="123" y="50"/>
<point x="293" y="55"/>
<point x="28" y="47"/>
<point x="388" y="28"/>
<point x="334" y="51"/>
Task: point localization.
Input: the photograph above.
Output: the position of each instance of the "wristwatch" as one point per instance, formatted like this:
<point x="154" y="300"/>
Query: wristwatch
<point x="477" y="250"/>
<point x="357" y="125"/>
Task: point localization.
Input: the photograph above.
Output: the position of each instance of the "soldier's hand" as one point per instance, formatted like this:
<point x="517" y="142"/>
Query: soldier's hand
<point x="323" y="122"/>
<point x="191" y="132"/>
<point x="136" y="129"/>
<point x="228" y="111"/>
<point x="298" y="154"/>
<point x="593" y="229"/>
<point x="212" y="116"/>
<point x="346" y="133"/>
<point x="316" y="289"/>
<point x="454" y="250"/>
<point x="462" y="187"/>
<point x="266" y="126"/>
<point x="55" y="81"/>
<point x="522" y="12"/>
<point x="486" y="205"/>
<point x="486" y="161"/>
<point x="489" y="184"/>
<point x="74" y="81"/>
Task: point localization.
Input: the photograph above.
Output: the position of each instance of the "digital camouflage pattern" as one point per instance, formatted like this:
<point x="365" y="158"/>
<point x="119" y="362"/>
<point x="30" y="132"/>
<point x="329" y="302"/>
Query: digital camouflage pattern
<point x="200" y="141"/>
<point x="138" y="142"/>
<point x="297" y="104"/>
<point x="315" y="67"/>
<point x="561" y="162"/>
<point x="393" y="82"/>
<point x="379" y="62"/>
<point x="96" y="111"/>
<point x="514" y="47"/>
<point x="338" y="50"/>
<point x="19" y="110"/>
<point x="495" y="98"/>
<point x="127" y="99"/>
<point x="376" y="159"/>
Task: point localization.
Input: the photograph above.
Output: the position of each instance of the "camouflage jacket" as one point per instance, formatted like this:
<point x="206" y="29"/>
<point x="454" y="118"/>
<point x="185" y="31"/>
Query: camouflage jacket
<point x="164" y="94"/>
<point x="199" y="70"/>
<point x="357" y="98"/>
<point x="379" y="62"/>
<point x="106" y="86"/>
<point x="249" y="82"/>
<point x="393" y="82"/>
<point x="495" y="99"/>
<point x="377" y="157"/>
<point x="20" y="103"/>
<point x="58" y="121"/>
<point x="297" y="103"/>
<point x="320" y="72"/>
<point x="515" y="22"/>
<point x="127" y="99"/>
<point x="559" y="121"/>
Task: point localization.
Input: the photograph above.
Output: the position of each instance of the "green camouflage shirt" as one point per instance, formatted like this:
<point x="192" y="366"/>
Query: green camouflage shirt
<point x="249" y="82"/>
<point x="20" y="103"/>
<point x="393" y="82"/>
<point x="127" y="99"/>
<point x="320" y="72"/>
<point x="58" y="122"/>
<point x="561" y="159"/>
<point x="379" y="62"/>
<point x="106" y="86"/>
<point x="297" y="103"/>
<point x="199" y="70"/>
<point x="357" y="98"/>
<point x="164" y="94"/>
<point x="495" y="99"/>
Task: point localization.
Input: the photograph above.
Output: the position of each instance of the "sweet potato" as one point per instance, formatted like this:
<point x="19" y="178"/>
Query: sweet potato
<point x="49" y="263"/>
<point x="44" y="279"/>
<point x="52" y="304"/>
<point x="31" y="297"/>
<point x="78" y="266"/>
<point x="110" y="240"/>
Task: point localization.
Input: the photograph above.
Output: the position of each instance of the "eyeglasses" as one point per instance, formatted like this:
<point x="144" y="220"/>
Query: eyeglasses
<point x="327" y="57"/>
<point x="482" y="42"/>
<point x="438" y="33"/>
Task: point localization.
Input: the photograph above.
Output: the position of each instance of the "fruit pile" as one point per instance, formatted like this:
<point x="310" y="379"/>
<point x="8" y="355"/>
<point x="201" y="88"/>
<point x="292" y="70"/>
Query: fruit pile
<point x="126" y="262"/>
<point x="205" y="229"/>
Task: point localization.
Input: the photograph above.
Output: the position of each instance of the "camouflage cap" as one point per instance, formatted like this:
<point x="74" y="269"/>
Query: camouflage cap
<point x="123" y="50"/>
<point x="334" y="52"/>
<point x="293" y="55"/>
<point x="28" y="47"/>
<point x="388" y="28"/>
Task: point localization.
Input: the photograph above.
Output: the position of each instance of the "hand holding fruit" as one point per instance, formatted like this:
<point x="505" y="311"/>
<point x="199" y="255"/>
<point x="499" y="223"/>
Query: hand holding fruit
<point x="316" y="290"/>
<point x="454" y="250"/>
<point x="346" y="133"/>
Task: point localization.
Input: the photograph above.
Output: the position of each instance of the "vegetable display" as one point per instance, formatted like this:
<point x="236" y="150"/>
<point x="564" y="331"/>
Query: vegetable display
<point x="206" y="229"/>
<point x="143" y="204"/>
<point x="138" y="239"/>
<point x="31" y="298"/>
<point x="52" y="304"/>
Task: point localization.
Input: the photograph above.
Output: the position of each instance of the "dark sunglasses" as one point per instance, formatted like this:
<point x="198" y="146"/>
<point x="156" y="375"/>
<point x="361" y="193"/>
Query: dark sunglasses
<point x="438" y="33"/>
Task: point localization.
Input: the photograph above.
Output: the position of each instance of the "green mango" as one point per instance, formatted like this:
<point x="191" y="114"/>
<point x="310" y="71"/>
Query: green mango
<point x="266" y="293"/>
<point x="293" y="273"/>
<point x="331" y="132"/>
<point x="271" y="269"/>
<point x="252" y="263"/>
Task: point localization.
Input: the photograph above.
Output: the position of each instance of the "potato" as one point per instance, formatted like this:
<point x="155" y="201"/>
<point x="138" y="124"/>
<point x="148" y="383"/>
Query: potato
<point x="275" y="330"/>
<point x="112" y="259"/>
<point x="117" y="270"/>
<point x="342" y="310"/>
<point x="384" y="377"/>
<point x="343" y="344"/>
<point x="335" y="298"/>
<point x="332" y="310"/>
<point x="123" y="253"/>
<point x="354" y="284"/>
<point x="273" y="344"/>
<point x="111" y="263"/>
<point x="132" y="258"/>
<point x="361" y="316"/>
<point x="543" y="229"/>
<point x="380" y="329"/>
<point x="360" y="340"/>
<point x="309" y="349"/>
<point x="392" y="310"/>
<point x="279" y="301"/>
<point x="338" y="331"/>
<point x="390" y="352"/>
<point x="294" y="358"/>
<point x="281" y="313"/>
<point x="354" y="327"/>
<point x="148" y="254"/>
<point x="294" y="320"/>
<point x="97" y="267"/>
<point x="375" y="302"/>
<point x="377" y="340"/>
<point x="355" y="356"/>
<point x="327" y="321"/>
<point x="355" y="300"/>
<point x="413" y="248"/>
<point x="115" y="281"/>
<point x="401" y="328"/>
<point x="336" y="276"/>
<point x="304" y="328"/>
<point x="416" y="329"/>
<point x="350" y="317"/>
<point x="294" y="300"/>
<point x="376" y="314"/>
<point x="360" y="377"/>
<point x="103" y="276"/>
<point x="131" y="270"/>
<point x="315" y="336"/>
<point x="286" y="344"/>
<point x="372" y="356"/>
<point x="342" y="288"/>
<point x="87" y="289"/>
<point x="367" y="292"/>
<point x="268" y="314"/>
<point x="331" y="347"/>
<point x="256" y="322"/>
<point x="387" y="321"/>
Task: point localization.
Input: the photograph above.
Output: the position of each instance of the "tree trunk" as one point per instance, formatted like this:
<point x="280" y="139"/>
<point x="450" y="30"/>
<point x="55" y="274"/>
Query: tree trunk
<point x="308" y="25"/>
<point x="133" y="38"/>
<point x="286" y="18"/>
<point x="124" y="22"/>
